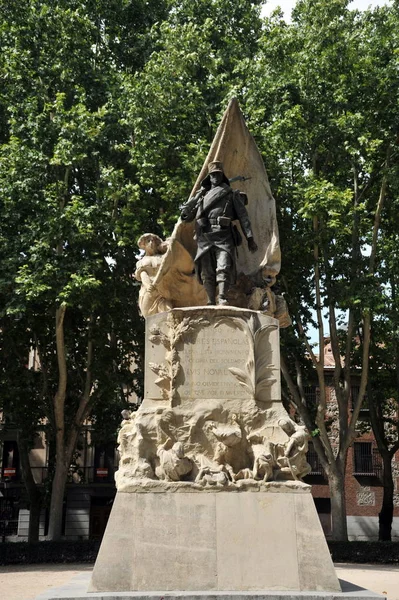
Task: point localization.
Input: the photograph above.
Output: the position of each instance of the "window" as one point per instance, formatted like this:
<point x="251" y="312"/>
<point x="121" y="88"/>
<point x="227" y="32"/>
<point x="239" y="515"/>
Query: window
<point x="323" y="507"/>
<point x="314" y="461"/>
<point x="355" y="389"/>
<point x="100" y="510"/>
<point x="354" y="394"/>
<point x="310" y="393"/>
<point x="367" y="460"/>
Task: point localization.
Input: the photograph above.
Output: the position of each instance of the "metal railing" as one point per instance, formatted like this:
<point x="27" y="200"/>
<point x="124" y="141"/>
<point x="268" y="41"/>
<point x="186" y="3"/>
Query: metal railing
<point x="8" y="518"/>
<point x="311" y="394"/>
<point x="80" y="475"/>
<point x="77" y="475"/>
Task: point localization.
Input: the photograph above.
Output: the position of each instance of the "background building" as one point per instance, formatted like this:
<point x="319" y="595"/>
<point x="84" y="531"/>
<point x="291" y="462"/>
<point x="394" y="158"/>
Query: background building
<point x="363" y="480"/>
<point x="90" y="490"/>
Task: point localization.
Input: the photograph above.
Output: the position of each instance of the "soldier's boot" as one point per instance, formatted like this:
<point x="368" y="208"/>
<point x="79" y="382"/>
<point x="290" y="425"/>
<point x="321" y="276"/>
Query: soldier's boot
<point x="210" y="288"/>
<point x="223" y="289"/>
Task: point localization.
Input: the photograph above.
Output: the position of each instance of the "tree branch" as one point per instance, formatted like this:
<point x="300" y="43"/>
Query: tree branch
<point x="59" y="398"/>
<point x="82" y="410"/>
<point x="367" y="311"/>
<point x="318" y="293"/>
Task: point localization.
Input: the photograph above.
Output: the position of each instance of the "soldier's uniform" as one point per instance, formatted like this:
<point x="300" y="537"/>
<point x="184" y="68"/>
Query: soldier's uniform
<point x="214" y="210"/>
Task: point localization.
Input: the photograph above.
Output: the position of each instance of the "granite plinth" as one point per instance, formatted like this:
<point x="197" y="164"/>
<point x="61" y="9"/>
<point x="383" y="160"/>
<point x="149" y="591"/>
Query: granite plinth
<point x="215" y="541"/>
<point x="76" y="590"/>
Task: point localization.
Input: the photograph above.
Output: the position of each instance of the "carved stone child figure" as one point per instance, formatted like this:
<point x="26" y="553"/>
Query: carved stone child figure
<point x="173" y="464"/>
<point x="133" y="448"/>
<point x="150" y="300"/>
<point x="294" y="451"/>
<point x="263" y="462"/>
<point x="214" y="471"/>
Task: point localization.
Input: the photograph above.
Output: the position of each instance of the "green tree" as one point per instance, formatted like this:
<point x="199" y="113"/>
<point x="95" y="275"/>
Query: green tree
<point x="107" y="109"/>
<point x="175" y="103"/>
<point x="323" y="101"/>
<point x="70" y="204"/>
<point x="383" y="389"/>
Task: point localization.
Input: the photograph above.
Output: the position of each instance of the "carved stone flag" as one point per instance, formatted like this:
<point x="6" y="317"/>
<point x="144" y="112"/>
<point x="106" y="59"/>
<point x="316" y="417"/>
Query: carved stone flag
<point x="235" y="147"/>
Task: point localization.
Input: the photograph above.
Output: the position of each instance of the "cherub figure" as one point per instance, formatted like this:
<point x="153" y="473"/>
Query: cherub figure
<point x="293" y="458"/>
<point x="173" y="463"/>
<point x="215" y="471"/>
<point x="150" y="300"/>
<point x="263" y="462"/>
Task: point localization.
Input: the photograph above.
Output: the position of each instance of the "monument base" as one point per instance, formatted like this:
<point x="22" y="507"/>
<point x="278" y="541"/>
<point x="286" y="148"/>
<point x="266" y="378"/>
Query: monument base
<point x="213" y="542"/>
<point x="76" y="590"/>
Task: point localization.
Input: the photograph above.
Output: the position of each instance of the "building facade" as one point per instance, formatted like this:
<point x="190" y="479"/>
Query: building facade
<point x="363" y="478"/>
<point x="90" y="489"/>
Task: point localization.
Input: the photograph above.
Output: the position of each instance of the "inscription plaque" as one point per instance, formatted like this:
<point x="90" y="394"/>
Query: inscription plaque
<point x="214" y="353"/>
<point x="205" y="364"/>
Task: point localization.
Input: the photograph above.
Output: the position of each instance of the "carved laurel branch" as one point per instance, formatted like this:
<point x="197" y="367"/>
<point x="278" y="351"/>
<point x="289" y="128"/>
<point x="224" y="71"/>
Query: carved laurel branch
<point x="244" y="378"/>
<point x="259" y="366"/>
<point x="264" y="366"/>
<point x="177" y="331"/>
<point x="158" y="337"/>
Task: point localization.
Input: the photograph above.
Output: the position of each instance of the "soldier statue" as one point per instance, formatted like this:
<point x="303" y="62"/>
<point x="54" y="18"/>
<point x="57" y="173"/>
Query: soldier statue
<point x="214" y="209"/>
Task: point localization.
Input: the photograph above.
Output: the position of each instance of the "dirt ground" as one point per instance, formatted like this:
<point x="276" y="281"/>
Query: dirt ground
<point x="25" y="582"/>
<point x="382" y="579"/>
<point x="28" y="581"/>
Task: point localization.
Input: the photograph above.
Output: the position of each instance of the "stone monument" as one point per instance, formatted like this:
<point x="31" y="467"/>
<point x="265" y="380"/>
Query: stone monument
<point x="210" y="485"/>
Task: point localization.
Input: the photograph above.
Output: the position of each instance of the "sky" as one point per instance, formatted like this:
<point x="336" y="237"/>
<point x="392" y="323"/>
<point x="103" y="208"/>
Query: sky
<point x="288" y="5"/>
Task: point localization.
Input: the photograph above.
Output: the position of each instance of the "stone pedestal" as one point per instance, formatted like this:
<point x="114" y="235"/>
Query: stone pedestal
<point x="210" y="496"/>
<point x="215" y="541"/>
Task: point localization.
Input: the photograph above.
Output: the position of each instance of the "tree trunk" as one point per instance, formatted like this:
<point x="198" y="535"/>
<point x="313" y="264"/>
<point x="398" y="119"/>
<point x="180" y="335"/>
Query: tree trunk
<point x="35" y="510"/>
<point x="32" y="489"/>
<point x="336" y="482"/>
<point x="61" y="464"/>
<point x="57" y="501"/>
<point x="385" y="516"/>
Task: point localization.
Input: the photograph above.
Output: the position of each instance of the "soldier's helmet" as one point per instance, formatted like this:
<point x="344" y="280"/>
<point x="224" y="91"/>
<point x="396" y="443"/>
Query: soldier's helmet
<point x="215" y="166"/>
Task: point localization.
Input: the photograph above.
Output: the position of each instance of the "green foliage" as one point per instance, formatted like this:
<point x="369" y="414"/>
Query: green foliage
<point x="70" y="205"/>
<point x="174" y="104"/>
<point x="69" y="197"/>
<point x="323" y="102"/>
<point x="107" y="109"/>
